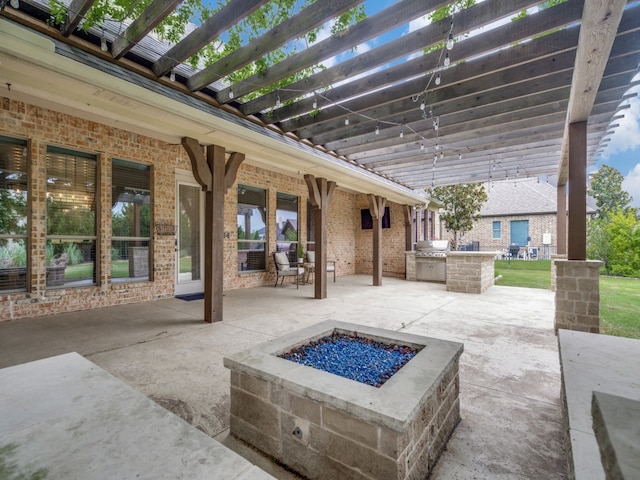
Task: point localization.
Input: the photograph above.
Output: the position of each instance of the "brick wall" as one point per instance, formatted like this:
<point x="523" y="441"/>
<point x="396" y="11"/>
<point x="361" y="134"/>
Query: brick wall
<point x="483" y="231"/>
<point x="393" y="242"/>
<point x="348" y="244"/>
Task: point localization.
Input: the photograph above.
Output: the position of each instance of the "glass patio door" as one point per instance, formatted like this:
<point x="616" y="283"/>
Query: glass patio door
<point x="189" y="240"/>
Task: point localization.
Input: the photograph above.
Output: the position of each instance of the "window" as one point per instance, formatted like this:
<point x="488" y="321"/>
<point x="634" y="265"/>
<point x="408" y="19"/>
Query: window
<point x="287" y="225"/>
<point x="13" y="214"/>
<point x="252" y="229"/>
<point x="497" y="230"/>
<point x="130" y="221"/>
<point x="71" y="218"/>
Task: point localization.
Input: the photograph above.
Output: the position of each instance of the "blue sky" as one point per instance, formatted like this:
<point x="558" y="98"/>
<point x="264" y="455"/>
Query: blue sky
<point x="623" y="151"/>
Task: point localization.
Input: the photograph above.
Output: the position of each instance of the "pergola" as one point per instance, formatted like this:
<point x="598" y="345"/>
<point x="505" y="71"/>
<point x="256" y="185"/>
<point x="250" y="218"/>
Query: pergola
<point x="536" y="96"/>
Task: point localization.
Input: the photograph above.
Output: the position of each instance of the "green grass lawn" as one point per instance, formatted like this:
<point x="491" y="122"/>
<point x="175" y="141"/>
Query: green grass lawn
<point x="620" y="306"/>
<point x="523" y="273"/>
<point x="619" y="297"/>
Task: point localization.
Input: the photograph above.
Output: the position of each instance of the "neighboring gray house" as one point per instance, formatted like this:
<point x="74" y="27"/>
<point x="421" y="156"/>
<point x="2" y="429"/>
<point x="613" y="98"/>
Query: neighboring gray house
<point x="518" y="213"/>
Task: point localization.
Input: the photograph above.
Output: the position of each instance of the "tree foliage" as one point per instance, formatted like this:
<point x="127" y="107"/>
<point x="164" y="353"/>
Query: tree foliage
<point x="606" y="189"/>
<point x="195" y="12"/>
<point x="615" y="240"/>
<point x="461" y="206"/>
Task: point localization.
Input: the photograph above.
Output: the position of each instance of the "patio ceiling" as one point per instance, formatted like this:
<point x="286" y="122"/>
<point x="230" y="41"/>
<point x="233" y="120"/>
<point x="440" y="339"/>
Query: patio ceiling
<point x="502" y="106"/>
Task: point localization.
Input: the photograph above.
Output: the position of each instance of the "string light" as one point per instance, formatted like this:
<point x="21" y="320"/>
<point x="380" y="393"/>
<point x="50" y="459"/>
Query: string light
<point x="172" y="77"/>
<point x="422" y="146"/>
<point x="103" y="43"/>
<point x="278" y="102"/>
<point x="315" y="102"/>
<point x="447" y="59"/>
<point x="230" y="92"/>
<point x="422" y="105"/>
<point x="450" y="41"/>
<point x="377" y="130"/>
<point x="346" y="121"/>
<point x="437" y="78"/>
<point x="402" y="132"/>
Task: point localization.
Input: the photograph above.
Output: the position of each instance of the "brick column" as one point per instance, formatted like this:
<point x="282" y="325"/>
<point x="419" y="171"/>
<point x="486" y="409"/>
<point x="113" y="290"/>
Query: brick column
<point x="578" y="295"/>
<point x="553" y="269"/>
<point x="410" y="266"/>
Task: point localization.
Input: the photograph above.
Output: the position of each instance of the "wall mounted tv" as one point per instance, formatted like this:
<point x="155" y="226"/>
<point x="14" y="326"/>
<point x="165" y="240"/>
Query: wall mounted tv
<point x="367" y="220"/>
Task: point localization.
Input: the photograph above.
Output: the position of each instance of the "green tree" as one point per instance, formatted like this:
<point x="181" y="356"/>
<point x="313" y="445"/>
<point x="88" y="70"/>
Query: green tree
<point x="624" y="235"/>
<point x="606" y="188"/>
<point x="13" y="212"/>
<point x="461" y="206"/>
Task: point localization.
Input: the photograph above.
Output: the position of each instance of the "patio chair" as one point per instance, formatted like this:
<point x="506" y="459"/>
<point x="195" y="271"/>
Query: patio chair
<point x="284" y="269"/>
<point x="331" y="265"/>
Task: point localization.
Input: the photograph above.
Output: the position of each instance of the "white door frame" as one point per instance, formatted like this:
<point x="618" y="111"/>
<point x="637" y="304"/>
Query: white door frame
<point x="187" y="286"/>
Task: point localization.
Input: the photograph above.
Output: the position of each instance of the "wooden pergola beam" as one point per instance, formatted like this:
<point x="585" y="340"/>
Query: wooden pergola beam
<point x="143" y="24"/>
<point x="311" y="17"/>
<point x="230" y="14"/>
<point x="598" y="31"/>
<point x="75" y="14"/>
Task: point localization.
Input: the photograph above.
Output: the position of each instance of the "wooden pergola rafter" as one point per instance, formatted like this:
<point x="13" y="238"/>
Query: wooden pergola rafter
<point x="506" y="95"/>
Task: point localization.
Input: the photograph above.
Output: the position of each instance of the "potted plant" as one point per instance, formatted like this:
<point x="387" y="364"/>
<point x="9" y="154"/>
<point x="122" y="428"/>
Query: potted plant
<point x="55" y="270"/>
<point x="300" y="253"/>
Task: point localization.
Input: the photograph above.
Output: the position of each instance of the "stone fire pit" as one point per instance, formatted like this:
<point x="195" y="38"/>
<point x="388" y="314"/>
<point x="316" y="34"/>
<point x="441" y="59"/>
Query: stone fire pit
<point x="324" y="426"/>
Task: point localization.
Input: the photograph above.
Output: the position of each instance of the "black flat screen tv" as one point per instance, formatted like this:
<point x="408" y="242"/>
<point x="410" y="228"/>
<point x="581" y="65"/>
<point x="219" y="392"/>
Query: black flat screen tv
<point x="367" y="220"/>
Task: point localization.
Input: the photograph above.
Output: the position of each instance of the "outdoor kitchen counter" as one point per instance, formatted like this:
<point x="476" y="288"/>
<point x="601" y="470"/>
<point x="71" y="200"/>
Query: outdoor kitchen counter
<point x="470" y="272"/>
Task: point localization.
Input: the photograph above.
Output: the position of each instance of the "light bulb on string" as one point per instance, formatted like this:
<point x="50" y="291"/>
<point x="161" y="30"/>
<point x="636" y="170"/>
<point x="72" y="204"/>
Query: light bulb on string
<point x="377" y="130"/>
<point x="441" y="155"/>
<point x="438" y="79"/>
<point x="315" y="102"/>
<point x="422" y="146"/>
<point x="346" y="121"/>
<point x="459" y="156"/>
<point x="447" y="59"/>
<point x="422" y="105"/>
<point x="230" y="92"/>
<point x="103" y="43"/>
<point x="402" y="132"/>
<point x="172" y="78"/>
<point x="450" y="41"/>
<point x="278" y="102"/>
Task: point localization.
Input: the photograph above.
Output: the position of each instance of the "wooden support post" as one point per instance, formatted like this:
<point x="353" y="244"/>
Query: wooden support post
<point x="561" y="220"/>
<point x="320" y="194"/>
<point x="215" y="176"/>
<point x="577" y="241"/>
<point x="376" y="207"/>
<point x="408" y="227"/>
<point x="214" y="236"/>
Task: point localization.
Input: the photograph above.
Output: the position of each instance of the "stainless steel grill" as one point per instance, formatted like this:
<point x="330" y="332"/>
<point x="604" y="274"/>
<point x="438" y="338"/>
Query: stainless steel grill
<point x="431" y="260"/>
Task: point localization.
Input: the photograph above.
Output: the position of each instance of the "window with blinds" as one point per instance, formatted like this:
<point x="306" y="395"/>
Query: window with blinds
<point x="252" y="228"/>
<point x="13" y="214"/>
<point x="131" y="212"/>
<point x="71" y="218"/>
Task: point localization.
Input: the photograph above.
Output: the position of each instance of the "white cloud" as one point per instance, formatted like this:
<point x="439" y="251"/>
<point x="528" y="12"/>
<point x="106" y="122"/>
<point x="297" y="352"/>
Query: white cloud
<point x="627" y="135"/>
<point x="631" y="184"/>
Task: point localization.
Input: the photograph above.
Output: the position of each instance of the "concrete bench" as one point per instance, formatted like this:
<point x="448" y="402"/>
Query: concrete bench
<point x="600" y="363"/>
<point x="65" y="417"/>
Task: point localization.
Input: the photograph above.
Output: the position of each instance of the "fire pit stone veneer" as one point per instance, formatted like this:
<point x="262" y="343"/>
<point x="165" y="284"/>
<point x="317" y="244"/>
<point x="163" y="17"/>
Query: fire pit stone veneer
<point x="324" y="426"/>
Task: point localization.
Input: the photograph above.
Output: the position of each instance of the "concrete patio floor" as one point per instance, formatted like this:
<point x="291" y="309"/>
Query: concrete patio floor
<point x="511" y="424"/>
